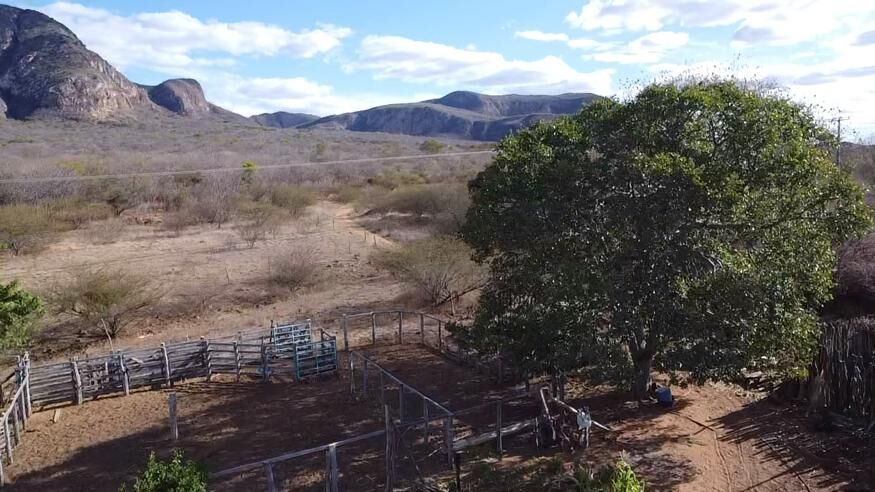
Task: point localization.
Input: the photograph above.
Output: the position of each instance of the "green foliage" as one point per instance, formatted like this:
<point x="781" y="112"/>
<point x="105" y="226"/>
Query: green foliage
<point x="27" y="228"/>
<point x="691" y="227"/>
<point x="432" y="146"/>
<point x="551" y="476"/>
<point x="175" y="475"/>
<point x="19" y="312"/>
<point x="440" y="267"/>
<point x="106" y="300"/>
<point x="249" y="169"/>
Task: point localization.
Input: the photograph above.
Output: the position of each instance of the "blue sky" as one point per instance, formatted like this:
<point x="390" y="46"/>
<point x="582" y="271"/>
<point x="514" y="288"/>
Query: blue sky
<point x="334" y="56"/>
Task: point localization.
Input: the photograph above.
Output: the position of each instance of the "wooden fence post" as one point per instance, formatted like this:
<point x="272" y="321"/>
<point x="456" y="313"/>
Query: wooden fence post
<point x="365" y="380"/>
<point x="498" y="437"/>
<point x="77" y="381"/>
<point x="440" y="337"/>
<point x="27" y="384"/>
<point x="174" y="428"/>
<point x="126" y="383"/>
<point x="332" y="472"/>
<point x="448" y="437"/>
<point x="390" y="455"/>
<point x="265" y="369"/>
<point x="400" y="326"/>
<point x="8" y="439"/>
<point x="207" y="358"/>
<point x="351" y="375"/>
<point x="16" y="422"/>
<point x="401" y="402"/>
<point x="425" y="422"/>
<point x="345" y="333"/>
<point x="373" y="328"/>
<point x="237" y="360"/>
<point x="268" y="475"/>
<point x="166" y="365"/>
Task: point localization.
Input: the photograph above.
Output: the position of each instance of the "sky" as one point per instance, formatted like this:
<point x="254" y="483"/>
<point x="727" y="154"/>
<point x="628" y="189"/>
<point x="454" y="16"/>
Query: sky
<point x="331" y="56"/>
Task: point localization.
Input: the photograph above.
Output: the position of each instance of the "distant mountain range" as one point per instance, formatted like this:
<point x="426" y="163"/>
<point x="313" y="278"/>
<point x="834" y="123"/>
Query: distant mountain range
<point x="46" y="71"/>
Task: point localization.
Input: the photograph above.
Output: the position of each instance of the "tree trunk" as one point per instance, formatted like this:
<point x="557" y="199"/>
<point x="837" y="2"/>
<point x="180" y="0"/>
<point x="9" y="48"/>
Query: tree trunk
<point x="642" y="364"/>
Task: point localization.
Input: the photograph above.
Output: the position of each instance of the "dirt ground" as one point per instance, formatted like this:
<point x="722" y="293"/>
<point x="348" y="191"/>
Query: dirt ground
<point x="213" y="284"/>
<point x="716" y="438"/>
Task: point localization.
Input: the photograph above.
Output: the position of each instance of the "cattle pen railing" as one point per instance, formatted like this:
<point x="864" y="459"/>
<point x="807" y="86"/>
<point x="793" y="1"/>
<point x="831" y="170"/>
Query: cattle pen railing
<point x="254" y="353"/>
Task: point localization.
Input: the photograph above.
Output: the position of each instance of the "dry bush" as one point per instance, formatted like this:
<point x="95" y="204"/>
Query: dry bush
<point x="394" y="178"/>
<point x="107" y="231"/>
<point x="294" y="199"/>
<point x="444" y="204"/>
<point x="106" y="300"/>
<point x="27" y="228"/>
<point x="441" y="267"/>
<point x="855" y="273"/>
<point x="295" y="269"/>
<point x="258" y="219"/>
<point x="348" y="194"/>
<point x="185" y="217"/>
<point x="78" y="213"/>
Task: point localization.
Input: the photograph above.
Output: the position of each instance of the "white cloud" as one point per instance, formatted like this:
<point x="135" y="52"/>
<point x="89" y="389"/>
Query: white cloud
<point x="650" y="48"/>
<point x="410" y="60"/>
<point x="167" y="41"/>
<point x="254" y="95"/>
<point x="773" y="22"/>
<point x="541" y="36"/>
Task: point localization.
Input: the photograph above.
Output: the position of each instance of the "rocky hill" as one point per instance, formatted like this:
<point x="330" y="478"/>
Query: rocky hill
<point x="459" y="114"/>
<point x="282" y="119"/>
<point x="45" y="69"/>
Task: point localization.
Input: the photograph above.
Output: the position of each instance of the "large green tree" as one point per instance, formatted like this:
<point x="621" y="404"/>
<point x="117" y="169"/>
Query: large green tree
<point x="691" y="228"/>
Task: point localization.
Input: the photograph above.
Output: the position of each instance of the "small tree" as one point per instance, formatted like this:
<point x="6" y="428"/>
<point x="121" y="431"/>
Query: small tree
<point x="688" y="229"/>
<point x="175" y="475"/>
<point x="258" y="220"/>
<point x="440" y="268"/>
<point x="294" y="269"/>
<point x="19" y="312"/>
<point x="107" y="299"/>
<point x="432" y="146"/>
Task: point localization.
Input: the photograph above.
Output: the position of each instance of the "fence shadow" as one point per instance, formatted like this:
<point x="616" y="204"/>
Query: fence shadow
<point x="781" y="431"/>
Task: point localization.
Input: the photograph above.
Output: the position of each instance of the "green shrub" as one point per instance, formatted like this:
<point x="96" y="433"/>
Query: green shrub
<point x="393" y="178"/>
<point x="19" y="312"/>
<point x="349" y="194"/>
<point x="175" y="475"/>
<point x="432" y="146"/>
<point x="27" y="228"/>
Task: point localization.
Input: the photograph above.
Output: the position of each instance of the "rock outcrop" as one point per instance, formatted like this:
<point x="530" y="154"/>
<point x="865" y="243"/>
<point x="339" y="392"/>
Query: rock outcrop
<point x="459" y="114"/>
<point x="282" y="119"/>
<point x="181" y="96"/>
<point x="46" y="69"/>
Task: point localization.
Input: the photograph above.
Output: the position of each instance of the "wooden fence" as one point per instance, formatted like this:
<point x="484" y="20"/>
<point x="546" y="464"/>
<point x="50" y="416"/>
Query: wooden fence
<point x="14" y="420"/>
<point x="846" y="363"/>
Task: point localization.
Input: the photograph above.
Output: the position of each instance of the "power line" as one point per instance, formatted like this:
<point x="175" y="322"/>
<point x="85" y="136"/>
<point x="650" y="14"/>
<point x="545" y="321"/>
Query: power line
<point x="216" y="170"/>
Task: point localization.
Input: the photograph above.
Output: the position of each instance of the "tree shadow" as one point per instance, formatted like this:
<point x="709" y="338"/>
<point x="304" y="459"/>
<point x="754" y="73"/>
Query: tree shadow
<point x="782" y="432"/>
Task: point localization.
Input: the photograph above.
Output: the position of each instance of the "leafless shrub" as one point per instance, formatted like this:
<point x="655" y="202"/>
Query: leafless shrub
<point x="181" y="219"/>
<point x="27" y="228"/>
<point x="440" y="267"/>
<point x="77" y="212"/>
<point x="294" y="199"/>
<point x="107" y="231"/>
<point x="258" y="220"/>
<point x="855" y="274"/>
<point x="106" y="300"/>
<point x="295" y="269"/>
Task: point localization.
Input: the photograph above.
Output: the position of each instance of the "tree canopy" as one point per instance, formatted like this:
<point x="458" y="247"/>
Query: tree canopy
<point x="19" y="311"/>
<point x="692" y="227"/>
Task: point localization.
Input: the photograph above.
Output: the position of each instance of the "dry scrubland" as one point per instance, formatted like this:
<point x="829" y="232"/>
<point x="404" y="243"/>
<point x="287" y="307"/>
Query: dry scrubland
<point x="210" y="254"/>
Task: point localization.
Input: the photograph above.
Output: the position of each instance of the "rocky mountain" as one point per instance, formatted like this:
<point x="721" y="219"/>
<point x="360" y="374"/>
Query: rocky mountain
<point x="459" y="114"/>
<point x="282" y="119"/>
<point x="45" y="69"/>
